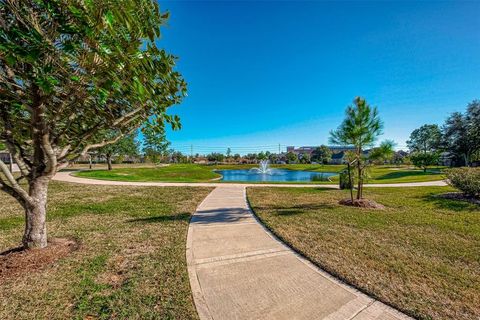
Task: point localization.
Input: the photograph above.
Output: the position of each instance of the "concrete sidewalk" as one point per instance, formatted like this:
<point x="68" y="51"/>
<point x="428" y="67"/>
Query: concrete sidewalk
<point x="238" y="270"/>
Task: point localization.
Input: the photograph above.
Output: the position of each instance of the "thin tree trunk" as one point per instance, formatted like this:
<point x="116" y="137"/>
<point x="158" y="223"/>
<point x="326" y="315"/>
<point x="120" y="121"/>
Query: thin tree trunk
<point x="359" y="187"/>
<point x="109" y="162"/>
<point x="90" y="161"/>
<point x="35" y="235"/>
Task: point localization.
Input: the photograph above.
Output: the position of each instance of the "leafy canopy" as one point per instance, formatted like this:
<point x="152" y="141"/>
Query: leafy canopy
<point x="427" y="138"/>
<point x="71" y="70"/>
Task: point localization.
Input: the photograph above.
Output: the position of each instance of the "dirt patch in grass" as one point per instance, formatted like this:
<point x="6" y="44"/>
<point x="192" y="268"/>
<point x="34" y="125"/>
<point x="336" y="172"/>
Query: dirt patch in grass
<point x="362" y="203"/>
<point x="460" y="197"/>
<point x="420" y="254"/>
<point x="16" y="262"/>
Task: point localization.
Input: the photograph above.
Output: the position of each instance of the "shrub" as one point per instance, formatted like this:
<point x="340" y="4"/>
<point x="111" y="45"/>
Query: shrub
<point x="465" y="179"/>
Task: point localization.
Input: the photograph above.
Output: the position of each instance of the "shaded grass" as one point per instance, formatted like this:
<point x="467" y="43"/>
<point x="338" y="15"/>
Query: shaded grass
<point x="205" y="173"/>
<point x="420" y="254"/>
<point x="131" y="263"/>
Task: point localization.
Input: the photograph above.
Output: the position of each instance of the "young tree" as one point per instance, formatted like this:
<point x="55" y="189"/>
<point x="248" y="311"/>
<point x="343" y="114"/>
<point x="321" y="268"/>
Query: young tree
<point x="322" y="154"/>
<point x="126" y="146"/>
<point x="425" y="139"/>
<point x="424" y="159"/>
<point x="360" y="128"/>
<point x="70" y="71"/>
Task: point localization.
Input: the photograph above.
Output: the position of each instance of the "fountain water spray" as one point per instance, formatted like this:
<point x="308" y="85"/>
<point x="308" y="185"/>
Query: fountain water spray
<point x="262" y="167"/>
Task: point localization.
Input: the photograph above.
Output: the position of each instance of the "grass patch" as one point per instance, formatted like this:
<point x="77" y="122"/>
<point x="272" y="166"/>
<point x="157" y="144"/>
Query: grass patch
<point x="131" y="262"/>
<point x="420" y="254"/>
<point x="171" y="173"/>
<point x="205" y="173"/>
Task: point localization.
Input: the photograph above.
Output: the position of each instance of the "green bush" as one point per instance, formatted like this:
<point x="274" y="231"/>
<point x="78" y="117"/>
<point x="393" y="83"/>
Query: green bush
<point x="465" y="179"/>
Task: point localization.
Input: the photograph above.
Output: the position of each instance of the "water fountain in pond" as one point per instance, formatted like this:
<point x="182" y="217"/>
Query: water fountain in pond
<point x="263" y="168"/>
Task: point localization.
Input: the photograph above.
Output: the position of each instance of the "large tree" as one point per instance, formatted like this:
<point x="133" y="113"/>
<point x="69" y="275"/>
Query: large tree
<point x="360" y="128"/>
<point x="461" y="133"/>
<point x="425" y="139"/>
<point x="69" y="71"/>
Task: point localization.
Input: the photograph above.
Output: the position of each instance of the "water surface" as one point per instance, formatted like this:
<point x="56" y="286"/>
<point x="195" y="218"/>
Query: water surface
<point x="275" y="175"/>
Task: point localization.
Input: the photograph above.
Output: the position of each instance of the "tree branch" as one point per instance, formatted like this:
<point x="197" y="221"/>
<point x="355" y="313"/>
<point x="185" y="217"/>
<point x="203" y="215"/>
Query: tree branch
<point x="14" y="188"/>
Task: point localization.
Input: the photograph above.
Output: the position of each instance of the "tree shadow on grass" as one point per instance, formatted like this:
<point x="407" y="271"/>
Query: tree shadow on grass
<point x="298" y="209"/>
<point x="451" y="204"/>
<point x="185" y="216"/>
<point x="402" y="174"/>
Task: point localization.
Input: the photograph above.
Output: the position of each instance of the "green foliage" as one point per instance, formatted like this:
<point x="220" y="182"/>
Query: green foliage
<point x="77" y="76"/>
<point x="155" y="144"/>
<point x="262" y="156"/>
<point x="215" y="157"/>
<point x="305" y="158"/>
<point x="291" y="157"/>
<point x="360" y="128"/>
<point x="465" y="179"/>
<point x="424" y="159"/>
<point x="427" y="138"/>
<point x="461" y="134"/>
<point x="322" y="154"/>
<point x="383" y="153"/>
<point x="126" y="146"/>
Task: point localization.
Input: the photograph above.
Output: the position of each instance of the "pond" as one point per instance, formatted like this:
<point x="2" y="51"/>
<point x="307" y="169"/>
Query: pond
<point x="275" y="175"/>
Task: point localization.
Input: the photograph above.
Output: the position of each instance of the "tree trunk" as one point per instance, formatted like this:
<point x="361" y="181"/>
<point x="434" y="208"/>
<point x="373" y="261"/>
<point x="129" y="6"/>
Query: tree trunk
<point x="90" y="162"/>
<point x="35" y="235"/>
<point x="360" y="181"/>
<point x="109" y="162"/>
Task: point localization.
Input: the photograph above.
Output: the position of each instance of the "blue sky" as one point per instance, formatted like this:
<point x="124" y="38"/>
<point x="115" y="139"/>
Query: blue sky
<point x="268" y="73"/>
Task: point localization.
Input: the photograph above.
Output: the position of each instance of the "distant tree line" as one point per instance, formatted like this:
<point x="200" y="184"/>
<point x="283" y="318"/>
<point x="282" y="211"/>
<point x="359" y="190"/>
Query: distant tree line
<point x="457" y="140"/>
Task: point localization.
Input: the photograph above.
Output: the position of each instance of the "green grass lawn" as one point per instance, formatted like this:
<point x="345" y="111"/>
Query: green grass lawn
<point x="205" y="173"/>
<point x="131" y="263"/>
<point x="420" y="255"/>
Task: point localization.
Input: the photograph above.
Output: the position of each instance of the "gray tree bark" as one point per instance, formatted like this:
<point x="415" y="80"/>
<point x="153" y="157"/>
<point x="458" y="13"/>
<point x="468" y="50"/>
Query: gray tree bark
<point x="35" y="235"/>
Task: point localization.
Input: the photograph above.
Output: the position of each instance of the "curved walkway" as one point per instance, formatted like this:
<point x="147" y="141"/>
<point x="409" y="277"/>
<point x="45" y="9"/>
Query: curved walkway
<point x="239" y="270"/>
<point x="68" y="177"/>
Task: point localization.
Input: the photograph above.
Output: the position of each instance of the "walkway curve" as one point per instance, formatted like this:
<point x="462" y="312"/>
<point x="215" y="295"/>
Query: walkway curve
<point x="239" y="270"/>
<point x="68" y="177"/>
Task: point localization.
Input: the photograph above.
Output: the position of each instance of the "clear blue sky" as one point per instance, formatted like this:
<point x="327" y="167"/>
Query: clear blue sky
<point x="264" y="73"/>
